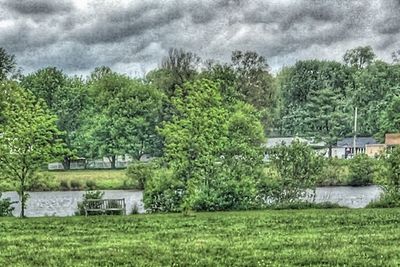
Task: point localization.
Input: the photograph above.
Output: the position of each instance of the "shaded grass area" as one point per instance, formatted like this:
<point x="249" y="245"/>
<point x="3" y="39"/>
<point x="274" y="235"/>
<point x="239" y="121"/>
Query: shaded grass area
<point x="74" y="180"/>
<point x="339" y="237"/>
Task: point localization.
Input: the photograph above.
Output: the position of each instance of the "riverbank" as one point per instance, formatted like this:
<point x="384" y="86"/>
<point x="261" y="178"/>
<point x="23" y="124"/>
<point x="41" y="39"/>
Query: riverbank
<point x="75" y="180"/>
<point x="64" y="203"/>
<point x="363" y="237"/>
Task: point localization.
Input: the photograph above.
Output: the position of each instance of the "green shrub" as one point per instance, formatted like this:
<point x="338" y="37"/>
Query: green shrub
<point x="89" y="195"/>
<point x="42" y="182"/>
<point x="90" y="184"/>
<point x="297" y="166"/>
<point x="64" y="185"/>
<point x="361" y="170"/>
<point x="138" y="173"/>
<point x="6" y="207"/>
<point x="334" y="172"/>
<point x="387" y="200"/>
<point x="76" y="185"/>
<point x="389" y="179"/>
<point x="164" y="193"/>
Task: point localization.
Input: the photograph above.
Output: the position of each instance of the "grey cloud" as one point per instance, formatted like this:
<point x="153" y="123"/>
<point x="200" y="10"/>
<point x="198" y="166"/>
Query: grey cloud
<point x="138" y="33"/>
<point x="29" y="7"/>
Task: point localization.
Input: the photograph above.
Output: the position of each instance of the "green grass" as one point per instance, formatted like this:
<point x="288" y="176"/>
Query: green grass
<point x="103" y="179"/>
<point x="338" y="237"/>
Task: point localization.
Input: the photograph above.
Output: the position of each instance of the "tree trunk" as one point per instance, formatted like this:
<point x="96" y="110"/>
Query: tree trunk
<point x="330" y="151"/>
<point x="113" y="161"/>
<point x="22" y="197"/>
<point x="67" y="163"/>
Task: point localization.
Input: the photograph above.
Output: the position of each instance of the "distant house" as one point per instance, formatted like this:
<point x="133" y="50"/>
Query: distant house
<point x="392" y="140"/>
<point x="272" y="142"/>
<point x="373" y="150"/>
<point x="345" y="147"/>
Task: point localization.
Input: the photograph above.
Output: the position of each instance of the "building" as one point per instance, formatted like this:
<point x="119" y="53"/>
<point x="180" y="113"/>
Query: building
<point x="345" y="148"/>
<point x="373" y="150"/>
<point x="392" y="140"/>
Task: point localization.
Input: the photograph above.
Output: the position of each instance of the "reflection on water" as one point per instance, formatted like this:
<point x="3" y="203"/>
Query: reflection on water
<point x="65" y="203"/>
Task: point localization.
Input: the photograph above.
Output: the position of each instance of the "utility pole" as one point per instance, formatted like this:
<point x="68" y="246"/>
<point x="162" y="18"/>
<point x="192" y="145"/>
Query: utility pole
<point x="355" y="132"/>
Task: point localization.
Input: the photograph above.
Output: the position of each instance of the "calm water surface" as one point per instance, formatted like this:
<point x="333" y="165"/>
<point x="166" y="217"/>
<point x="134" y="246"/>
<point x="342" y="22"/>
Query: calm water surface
<point x="61" y="204"/>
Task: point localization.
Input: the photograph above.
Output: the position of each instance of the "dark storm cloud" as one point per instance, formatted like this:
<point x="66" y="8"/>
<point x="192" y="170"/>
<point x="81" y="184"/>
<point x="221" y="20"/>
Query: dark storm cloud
<point x="119" y="25"/>
<point x="132" y="36"/>
<point x="28" y="7"/>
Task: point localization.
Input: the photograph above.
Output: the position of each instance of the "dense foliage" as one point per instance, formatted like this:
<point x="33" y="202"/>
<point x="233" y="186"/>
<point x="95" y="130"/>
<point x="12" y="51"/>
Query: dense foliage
<point x="205" y="119"/>
<point x="28" y="137"/>
<point x="213" y="149"/>
<point x="297" y="166"/>
<point x="6" y="206"/>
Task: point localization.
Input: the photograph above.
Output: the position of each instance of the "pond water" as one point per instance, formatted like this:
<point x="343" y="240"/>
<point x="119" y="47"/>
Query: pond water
<point x="61" y="204"/>
<point x="64" y="203"/>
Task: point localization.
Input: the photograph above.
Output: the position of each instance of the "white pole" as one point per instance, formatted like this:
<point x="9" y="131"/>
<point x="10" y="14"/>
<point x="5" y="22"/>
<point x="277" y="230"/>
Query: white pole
<point x="355" y="132"/>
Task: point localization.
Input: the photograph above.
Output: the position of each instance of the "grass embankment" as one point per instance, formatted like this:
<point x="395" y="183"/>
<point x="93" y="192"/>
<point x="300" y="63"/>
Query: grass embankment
<point x="367" y="237"/>
<point x="75" y="180"/>
<point x="103" y="179"/>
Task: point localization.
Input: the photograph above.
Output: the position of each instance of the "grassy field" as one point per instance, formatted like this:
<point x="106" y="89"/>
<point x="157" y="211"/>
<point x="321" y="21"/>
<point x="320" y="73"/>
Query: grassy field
<point x="341" y="237"/>
<point x="104" y="179"/>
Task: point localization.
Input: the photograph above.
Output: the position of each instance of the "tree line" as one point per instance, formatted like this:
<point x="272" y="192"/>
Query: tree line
<point x="207" y="120"/>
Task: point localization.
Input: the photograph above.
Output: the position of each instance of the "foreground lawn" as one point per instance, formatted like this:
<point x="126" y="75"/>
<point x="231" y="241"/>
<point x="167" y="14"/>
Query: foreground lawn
<point x="365" y="237"/>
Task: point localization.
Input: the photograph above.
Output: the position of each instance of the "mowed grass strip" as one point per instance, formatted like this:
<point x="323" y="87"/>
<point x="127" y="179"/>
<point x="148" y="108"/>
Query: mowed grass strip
<point x="342" y="237"/>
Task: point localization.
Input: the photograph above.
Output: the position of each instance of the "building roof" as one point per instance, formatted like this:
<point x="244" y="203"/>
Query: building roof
<point x="275" y="141"/>
<point x="360" y="142"/>
<point x="392" y="139"/>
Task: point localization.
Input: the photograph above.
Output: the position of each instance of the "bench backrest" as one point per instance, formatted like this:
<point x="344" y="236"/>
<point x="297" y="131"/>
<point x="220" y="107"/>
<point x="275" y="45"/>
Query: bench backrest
<point x="105" y="204"/>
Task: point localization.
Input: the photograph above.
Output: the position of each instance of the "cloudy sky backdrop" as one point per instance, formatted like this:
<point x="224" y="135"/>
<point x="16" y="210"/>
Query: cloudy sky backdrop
<point x="132" y="36"/>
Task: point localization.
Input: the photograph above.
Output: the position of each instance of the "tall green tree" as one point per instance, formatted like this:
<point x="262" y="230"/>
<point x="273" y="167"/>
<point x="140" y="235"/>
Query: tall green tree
<point x="213" y="149"/>
<point x="123" y="118"/>
<point x="8" y="65"/>
<point x="359" y="57"/>
<point x="46" y="84"/>
<point x="28" y="137"/>
<point x="297" y="166"/>
<point x="67" y="98"/>
<point x="327" y="118"/>
<point x="315" y="100"/>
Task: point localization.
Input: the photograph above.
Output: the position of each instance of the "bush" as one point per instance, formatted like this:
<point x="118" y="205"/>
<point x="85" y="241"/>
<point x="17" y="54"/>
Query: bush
<point x="361" y="170"/>
<point x="42" y="182"/>
<point x="90" y="184"/>
<point x="64" y="185"/>
<point x="334" y="172"/>
<point x="389" y="179"/>
<point x="164" y="193"/>
<point x="89" y="195"/>
<point x="6" y="207"/>
<point x="138" y="173"/>
<point x="387" y="200"/>
<point x="297" y="166"/>
<point x="76" y="185"/>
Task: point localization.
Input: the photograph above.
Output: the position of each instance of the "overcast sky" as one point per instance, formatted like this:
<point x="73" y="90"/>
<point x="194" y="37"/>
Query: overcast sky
<point x="132" y="36"/>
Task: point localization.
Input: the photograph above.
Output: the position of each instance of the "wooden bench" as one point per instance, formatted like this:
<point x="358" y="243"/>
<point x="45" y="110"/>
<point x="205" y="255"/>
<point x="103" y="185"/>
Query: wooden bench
<point x="101" y="206"/>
